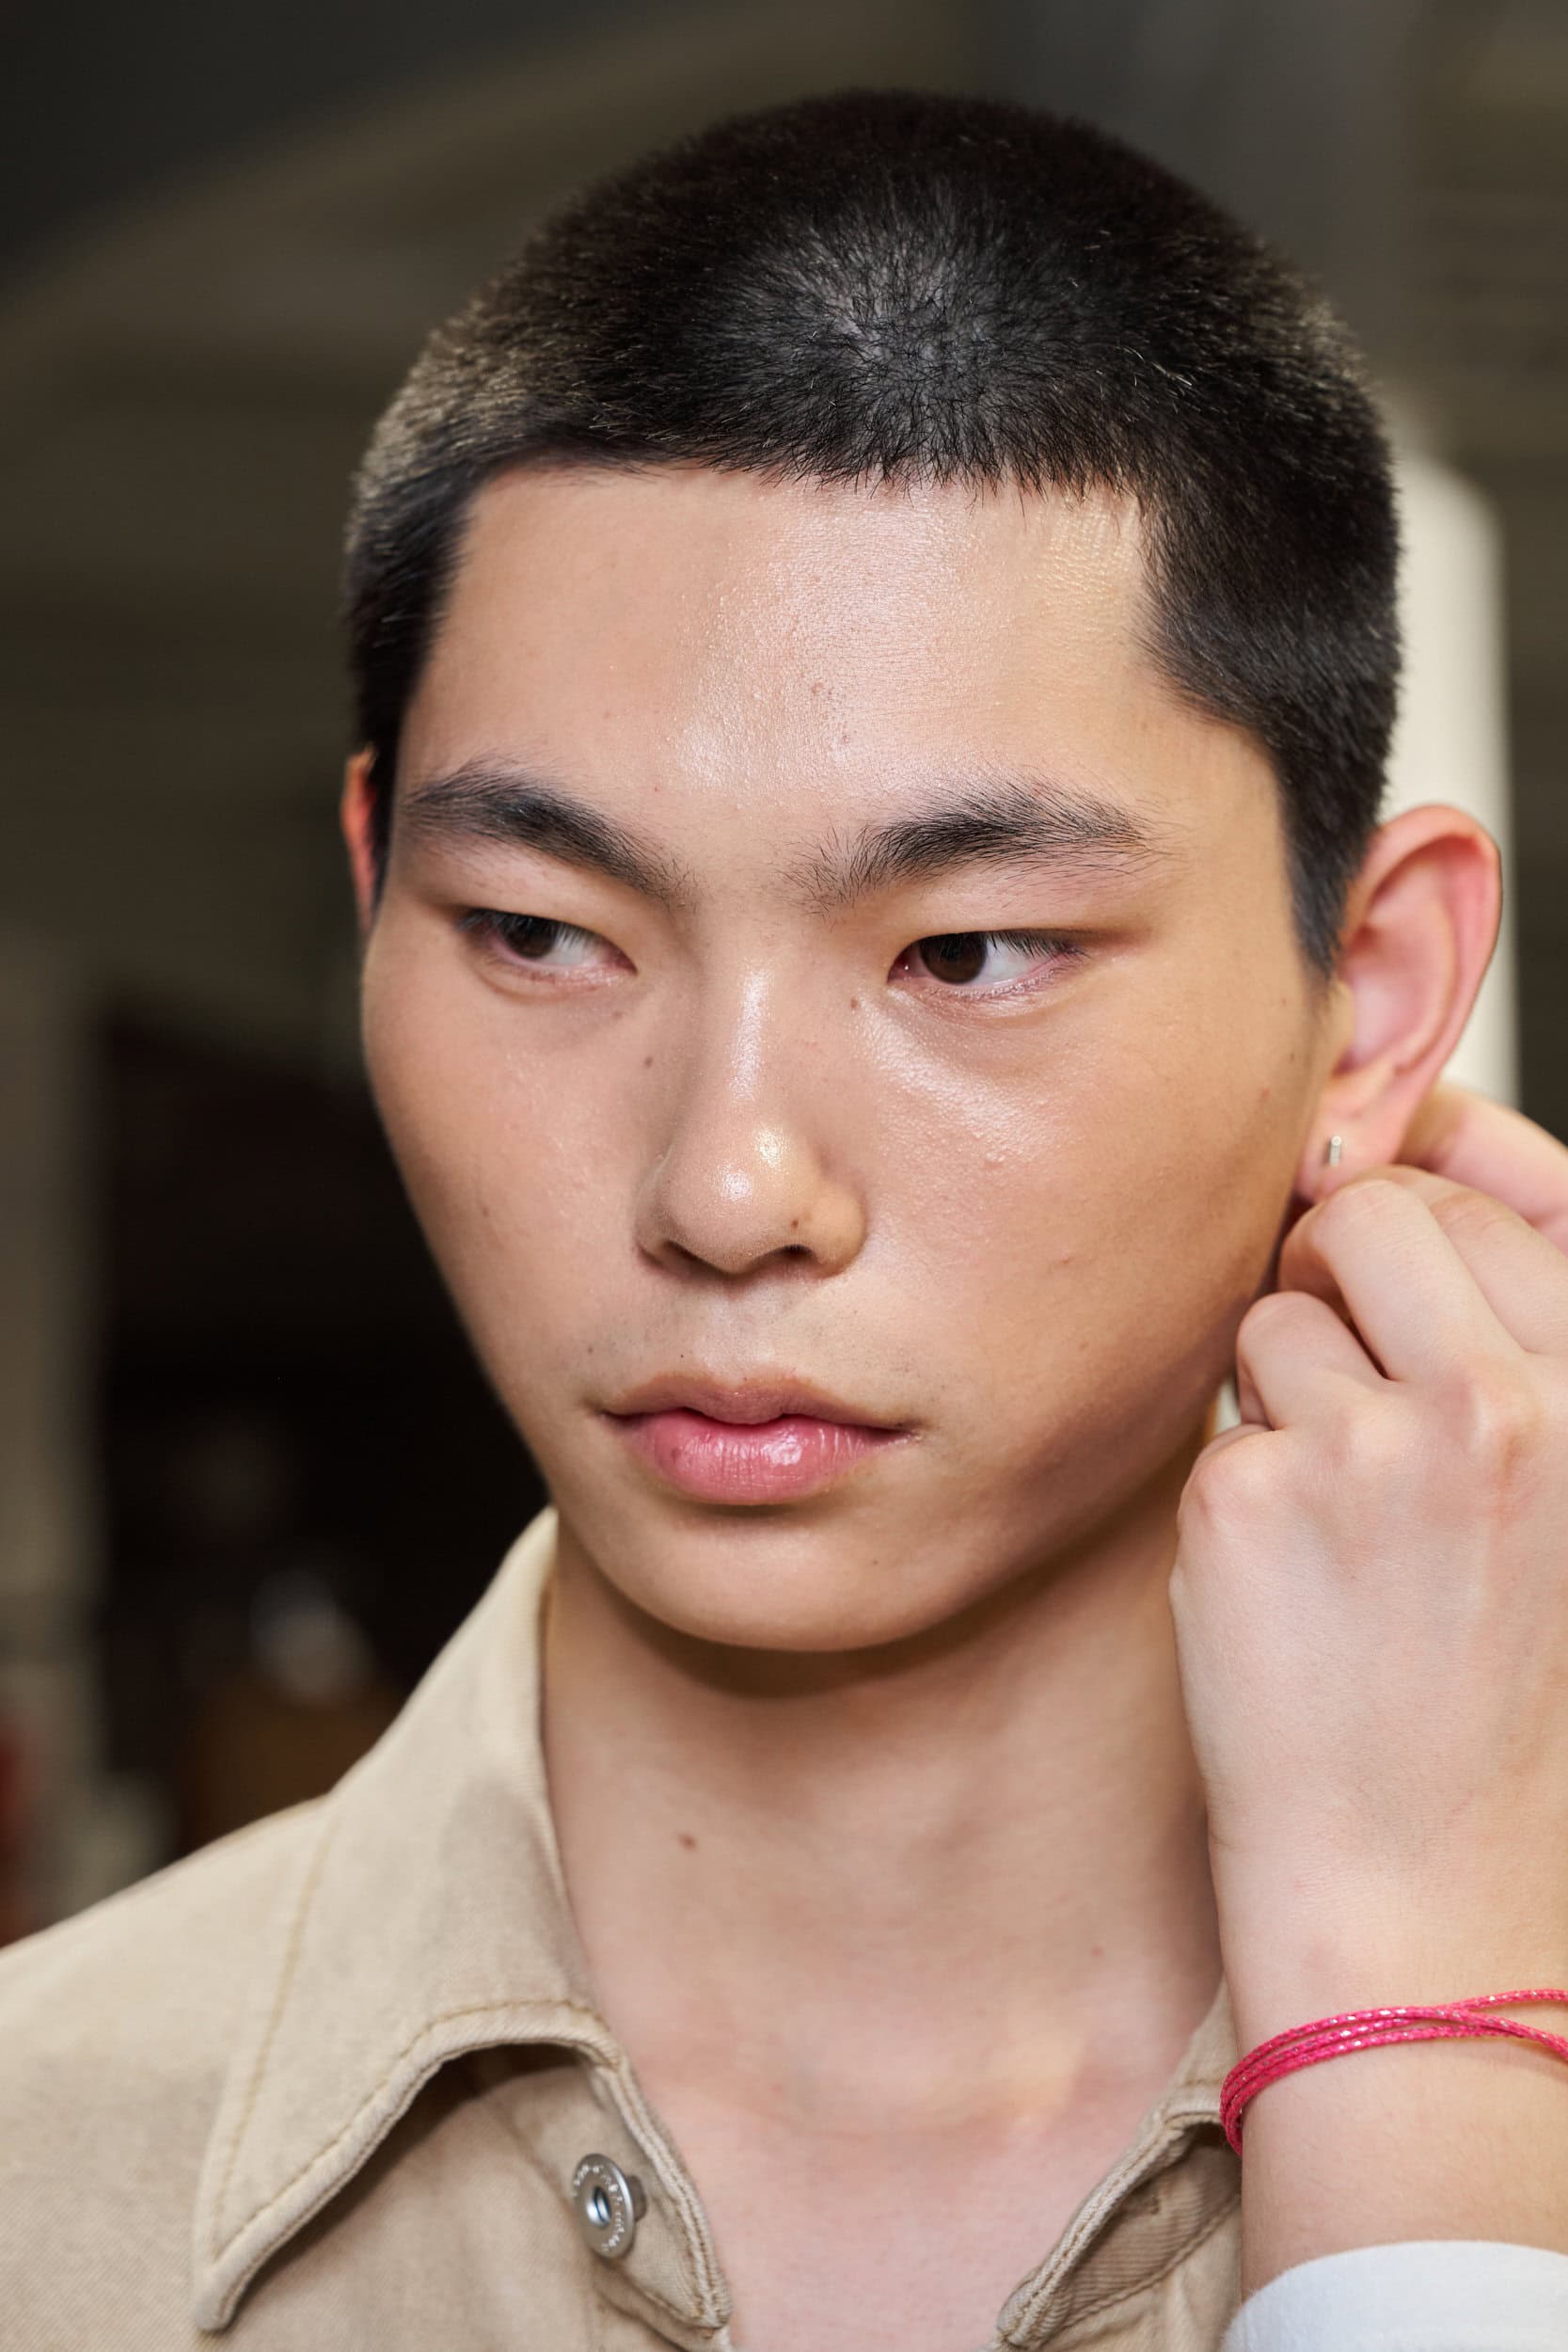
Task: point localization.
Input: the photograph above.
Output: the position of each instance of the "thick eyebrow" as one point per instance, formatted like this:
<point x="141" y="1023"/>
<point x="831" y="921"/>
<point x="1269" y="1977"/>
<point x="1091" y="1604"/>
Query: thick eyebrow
<point x="490" y="801"/>
<point x="994" y="822"/>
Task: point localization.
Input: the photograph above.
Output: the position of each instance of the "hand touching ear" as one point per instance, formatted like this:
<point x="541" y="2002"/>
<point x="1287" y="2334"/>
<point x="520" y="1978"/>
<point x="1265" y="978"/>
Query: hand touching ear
<point x="1461" y="1136"/>
<point x="1371" y="1601"/>
<point x="1419" y="926"/>
<point x="1371" y="1606"/>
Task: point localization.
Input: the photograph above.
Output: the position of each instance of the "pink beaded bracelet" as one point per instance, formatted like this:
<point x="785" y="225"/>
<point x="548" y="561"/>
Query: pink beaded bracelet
<point x="1365" y="2030"/>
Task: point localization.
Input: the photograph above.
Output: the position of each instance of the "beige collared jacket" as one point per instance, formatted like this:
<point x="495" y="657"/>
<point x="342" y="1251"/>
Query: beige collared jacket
<point x="330" y="2085"/>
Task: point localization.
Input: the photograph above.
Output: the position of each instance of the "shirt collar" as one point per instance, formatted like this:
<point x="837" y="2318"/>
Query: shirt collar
<point x="1176" y="2182"/>
<point x="428" y="1917"/>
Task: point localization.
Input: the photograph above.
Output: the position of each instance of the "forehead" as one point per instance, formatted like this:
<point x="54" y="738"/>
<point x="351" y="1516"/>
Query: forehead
<point x="684" y="625"/>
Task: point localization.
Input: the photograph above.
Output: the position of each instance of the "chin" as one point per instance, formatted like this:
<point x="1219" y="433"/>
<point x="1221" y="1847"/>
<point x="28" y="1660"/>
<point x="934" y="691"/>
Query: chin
<point x="809" y="1616"/>
<point x="807" y="1581"/>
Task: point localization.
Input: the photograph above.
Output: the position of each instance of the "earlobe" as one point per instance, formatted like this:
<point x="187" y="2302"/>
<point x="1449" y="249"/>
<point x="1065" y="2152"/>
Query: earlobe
<point x="356" y="813"/>
<point x="1421" y="925"/>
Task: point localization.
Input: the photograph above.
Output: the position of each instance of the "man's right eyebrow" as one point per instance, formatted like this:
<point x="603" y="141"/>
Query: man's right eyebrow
<point x="494" y="801"/>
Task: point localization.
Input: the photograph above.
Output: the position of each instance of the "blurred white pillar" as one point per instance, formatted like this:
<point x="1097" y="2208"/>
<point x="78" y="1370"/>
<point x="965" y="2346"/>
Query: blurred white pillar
<point x="1451" y="742"/>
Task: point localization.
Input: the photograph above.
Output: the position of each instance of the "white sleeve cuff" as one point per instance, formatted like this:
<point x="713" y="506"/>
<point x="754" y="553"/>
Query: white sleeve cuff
<point x="1439" y="2295"/>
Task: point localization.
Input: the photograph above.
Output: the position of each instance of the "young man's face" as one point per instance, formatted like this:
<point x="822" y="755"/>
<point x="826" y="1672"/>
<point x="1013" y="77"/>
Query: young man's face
<point x="787" y="1117"/>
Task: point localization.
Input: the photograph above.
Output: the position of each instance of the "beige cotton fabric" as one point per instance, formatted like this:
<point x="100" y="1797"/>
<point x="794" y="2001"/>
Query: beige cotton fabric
<point x="325" y="2084"/>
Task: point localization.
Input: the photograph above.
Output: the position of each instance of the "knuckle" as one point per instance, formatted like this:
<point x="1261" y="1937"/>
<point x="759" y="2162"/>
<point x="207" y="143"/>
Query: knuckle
<point x="1274" y="1308"/>
<point x="1502" y="1425"/>
<point x="1264" y="1318"/>
<point x="1199" y="1496"/>
<point x="1369" y="1199"/>
<point x="1366" y="1197"/>
<point x="1460" y="1211"/>
<point x="1226" y="1480"/>
<point x="1367" y="1442"/>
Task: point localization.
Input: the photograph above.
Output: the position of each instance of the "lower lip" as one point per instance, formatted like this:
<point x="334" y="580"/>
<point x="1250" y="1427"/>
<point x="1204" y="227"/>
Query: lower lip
<point x="765" y="1461"/>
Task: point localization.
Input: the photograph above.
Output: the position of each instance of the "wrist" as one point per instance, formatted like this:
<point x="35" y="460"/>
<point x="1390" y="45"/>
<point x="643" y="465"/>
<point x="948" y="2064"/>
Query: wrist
<point x="1292" y="1959"/>
<point x="1434" y="2140"/>
<point x="1262" y="2010"/>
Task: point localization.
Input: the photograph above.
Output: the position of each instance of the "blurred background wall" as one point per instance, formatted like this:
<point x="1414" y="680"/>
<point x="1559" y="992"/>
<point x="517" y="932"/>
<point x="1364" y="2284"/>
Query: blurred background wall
<point x="249" y="1476"/>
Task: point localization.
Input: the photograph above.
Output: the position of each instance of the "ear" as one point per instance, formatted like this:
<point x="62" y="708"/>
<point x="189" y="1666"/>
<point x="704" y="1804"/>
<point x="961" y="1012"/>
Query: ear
<point x="357" y="814"/>
<point x="1420" y="925"/>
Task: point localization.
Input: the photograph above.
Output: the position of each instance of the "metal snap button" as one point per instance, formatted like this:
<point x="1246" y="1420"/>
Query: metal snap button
<point x="609" y="2205"/>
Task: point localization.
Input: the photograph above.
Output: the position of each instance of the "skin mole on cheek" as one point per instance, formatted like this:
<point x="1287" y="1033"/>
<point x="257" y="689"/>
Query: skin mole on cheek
<point x="687" y="1840"/>
<point x="647" y="1061"/>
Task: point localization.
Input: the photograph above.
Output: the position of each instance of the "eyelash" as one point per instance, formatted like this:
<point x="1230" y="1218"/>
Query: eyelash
<point x="490" y="924"/>
<point x="1059" y="948"/>
<point x="501" y="932"/>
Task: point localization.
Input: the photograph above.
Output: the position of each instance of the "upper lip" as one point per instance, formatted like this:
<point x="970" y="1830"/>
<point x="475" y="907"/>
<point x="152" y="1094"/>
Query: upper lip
<point x="744" y="1402"/>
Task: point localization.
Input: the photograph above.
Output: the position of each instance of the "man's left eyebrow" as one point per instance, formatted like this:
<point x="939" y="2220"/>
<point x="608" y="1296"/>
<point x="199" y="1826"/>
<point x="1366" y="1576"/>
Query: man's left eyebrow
<point x="1006" y="823"/>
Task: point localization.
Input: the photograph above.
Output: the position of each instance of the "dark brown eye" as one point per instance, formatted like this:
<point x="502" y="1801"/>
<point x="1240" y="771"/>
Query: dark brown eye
<point x="531" y="938"/>
<point x="955" y="956"/>
<point x="999" y="959"/>
<point x="529" y="935"/>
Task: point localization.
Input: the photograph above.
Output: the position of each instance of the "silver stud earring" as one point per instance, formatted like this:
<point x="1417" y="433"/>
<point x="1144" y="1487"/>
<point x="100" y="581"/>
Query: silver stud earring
<point x="1334" y="1150"/>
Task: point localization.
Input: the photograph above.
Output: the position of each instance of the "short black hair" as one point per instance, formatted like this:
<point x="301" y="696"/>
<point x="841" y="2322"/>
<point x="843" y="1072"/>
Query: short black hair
<point x="885" y="285"/>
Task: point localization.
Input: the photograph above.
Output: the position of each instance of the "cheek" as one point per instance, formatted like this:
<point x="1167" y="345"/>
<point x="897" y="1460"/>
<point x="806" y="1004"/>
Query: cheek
<point x="495" y="1151"/>
<point x="1105" y="1249"/>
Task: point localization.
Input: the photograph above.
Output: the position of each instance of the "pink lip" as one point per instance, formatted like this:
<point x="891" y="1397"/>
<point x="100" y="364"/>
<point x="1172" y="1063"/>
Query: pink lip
<point x="756" y="1461"/>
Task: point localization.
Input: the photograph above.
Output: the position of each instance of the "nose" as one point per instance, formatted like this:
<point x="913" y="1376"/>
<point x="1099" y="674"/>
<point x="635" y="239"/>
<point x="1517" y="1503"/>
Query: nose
<point x="756" y="1164"/>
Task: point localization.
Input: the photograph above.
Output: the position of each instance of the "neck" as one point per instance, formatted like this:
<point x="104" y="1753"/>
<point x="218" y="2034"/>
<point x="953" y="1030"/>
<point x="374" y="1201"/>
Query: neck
<point x="968" y="1871"/>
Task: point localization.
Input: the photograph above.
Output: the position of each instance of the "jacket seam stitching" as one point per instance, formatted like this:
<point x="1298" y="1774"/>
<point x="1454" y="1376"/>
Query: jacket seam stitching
<point x="444" y="2017"/>
<point x="1127" y="2295"/>
<point x="286" y="1974"/>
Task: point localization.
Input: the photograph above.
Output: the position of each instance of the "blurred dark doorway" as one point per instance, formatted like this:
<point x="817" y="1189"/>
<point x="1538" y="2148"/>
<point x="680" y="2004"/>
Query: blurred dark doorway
<point x="306" y="1481"/>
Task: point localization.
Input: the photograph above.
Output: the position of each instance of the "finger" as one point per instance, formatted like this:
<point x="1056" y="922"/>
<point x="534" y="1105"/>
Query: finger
<point x="1293" y="1355"/>
<point x="1473" y="1141"/>
<point x="1416" y="1307"/>
<point x="1521" y="1274"/>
